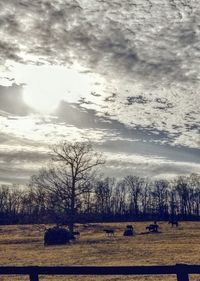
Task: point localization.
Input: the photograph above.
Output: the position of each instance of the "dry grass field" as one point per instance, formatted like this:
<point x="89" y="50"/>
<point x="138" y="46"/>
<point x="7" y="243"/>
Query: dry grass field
<point x="23" y="245"/>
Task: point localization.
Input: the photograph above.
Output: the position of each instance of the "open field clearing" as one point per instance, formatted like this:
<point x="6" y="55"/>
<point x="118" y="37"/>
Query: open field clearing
<point x="23" y="245"/>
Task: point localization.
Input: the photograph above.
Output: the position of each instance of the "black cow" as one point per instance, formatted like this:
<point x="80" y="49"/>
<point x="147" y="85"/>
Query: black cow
<point x="153" y="227"/>
<point x="76" y="233"/>
<point x="129" y="226"/>
<point x="109" y="232"/>
<point x="173" y="222"/>
<point x="129" y="230"/>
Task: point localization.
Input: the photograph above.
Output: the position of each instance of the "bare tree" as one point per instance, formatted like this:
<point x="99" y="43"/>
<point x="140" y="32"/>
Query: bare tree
<point x="146" y="198"/>
<point x="183" y="194"/>
<point x="135" y="185"/>
<point x="160" y="196"/>
<point x="104" y="195"/>
<point x="120" y="198"/>
<point x="69" y="177"/>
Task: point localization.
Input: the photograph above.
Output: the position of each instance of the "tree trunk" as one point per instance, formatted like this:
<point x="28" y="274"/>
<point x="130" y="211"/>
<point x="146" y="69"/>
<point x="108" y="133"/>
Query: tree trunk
<point x="72" y="207"/>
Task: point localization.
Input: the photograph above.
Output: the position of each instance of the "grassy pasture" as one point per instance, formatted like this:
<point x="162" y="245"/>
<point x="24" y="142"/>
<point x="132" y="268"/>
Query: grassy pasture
<point x="23" y="245"/>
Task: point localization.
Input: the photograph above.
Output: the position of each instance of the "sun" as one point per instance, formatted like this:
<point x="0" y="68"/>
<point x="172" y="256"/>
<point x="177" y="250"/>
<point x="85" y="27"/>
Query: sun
<point x="40" y="97"/>
<point x="45" y="86"/>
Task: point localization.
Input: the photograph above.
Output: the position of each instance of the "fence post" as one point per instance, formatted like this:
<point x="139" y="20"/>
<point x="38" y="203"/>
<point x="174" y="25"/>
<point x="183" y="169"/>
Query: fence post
<point x="33" y="273"/>
<point x="182" y="273"/>
<point x="34" y="277"/>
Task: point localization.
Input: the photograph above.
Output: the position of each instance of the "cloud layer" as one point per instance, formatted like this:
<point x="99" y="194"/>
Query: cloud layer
<point x="148" y="56"/>
<point x="149" y="52"/>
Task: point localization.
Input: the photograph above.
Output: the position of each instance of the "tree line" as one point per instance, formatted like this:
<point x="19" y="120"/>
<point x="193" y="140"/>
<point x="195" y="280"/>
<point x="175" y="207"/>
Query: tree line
<point x="71" y="190"/>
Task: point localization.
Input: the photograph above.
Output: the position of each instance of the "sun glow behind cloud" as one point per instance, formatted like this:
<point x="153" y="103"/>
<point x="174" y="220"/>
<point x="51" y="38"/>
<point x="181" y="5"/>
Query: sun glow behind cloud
<point x="46" y="85"/>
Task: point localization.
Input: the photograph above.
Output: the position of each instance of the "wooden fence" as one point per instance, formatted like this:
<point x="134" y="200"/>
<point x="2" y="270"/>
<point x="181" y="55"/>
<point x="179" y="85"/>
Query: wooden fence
<point x="182" y="271"/>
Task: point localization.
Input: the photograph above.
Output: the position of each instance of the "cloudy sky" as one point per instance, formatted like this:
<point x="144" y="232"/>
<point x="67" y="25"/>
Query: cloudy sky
<point x="123" y="73"/>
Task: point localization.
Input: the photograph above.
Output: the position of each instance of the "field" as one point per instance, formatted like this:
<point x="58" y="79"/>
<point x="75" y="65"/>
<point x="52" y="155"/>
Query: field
<point x="23" y="245"/>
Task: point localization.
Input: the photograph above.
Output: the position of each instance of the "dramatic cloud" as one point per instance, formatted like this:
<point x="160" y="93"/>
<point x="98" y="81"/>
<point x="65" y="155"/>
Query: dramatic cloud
<point x="150" y="40"/>
<point x="120" y="164"/>
<point x="123" y="73"/>
<point x="11" y="100"/>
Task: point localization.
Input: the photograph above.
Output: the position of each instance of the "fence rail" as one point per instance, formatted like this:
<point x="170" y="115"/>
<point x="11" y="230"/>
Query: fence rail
<point x="182" y="271"/>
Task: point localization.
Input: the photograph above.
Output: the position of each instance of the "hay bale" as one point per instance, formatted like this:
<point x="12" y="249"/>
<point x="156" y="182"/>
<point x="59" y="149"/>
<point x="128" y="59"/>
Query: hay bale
<point x="57" y="236"/>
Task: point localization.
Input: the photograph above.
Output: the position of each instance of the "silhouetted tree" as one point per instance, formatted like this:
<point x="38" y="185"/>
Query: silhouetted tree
<point x="135" y="185"/>
<point x="103" y="194"/>
<point x="183" y="194"/>
<point x="69" y="178"/>
<point x="160" y="196"/>
<point x="146" y="197"/>
<point x="120" y="198"/>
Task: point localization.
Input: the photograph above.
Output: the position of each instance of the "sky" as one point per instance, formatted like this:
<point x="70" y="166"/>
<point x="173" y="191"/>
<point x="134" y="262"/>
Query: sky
<point x="124" y="74"/>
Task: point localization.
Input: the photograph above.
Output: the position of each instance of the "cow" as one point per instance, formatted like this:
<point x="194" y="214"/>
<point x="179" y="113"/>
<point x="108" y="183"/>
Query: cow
<point x="76" y="233"/>
<point x="153" y="227"/>
<point x="129" y="226"/>
<point x="109" y="232"/>
<point x="173" y="222"/>
<point x="129" y="230"/>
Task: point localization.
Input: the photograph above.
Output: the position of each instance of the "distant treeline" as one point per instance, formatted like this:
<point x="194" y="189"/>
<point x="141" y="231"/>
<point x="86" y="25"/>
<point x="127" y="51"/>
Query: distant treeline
<point x="108" y="199"/>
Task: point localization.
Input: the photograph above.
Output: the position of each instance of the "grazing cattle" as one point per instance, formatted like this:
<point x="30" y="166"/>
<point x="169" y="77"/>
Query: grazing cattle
<point x="129" y="226"/>
<point x="153" y="228"/>
<point x="76" y="233"/>
<point x="57" y="236"/>
<point x="129" y="230"/>
<point x="173" y="222"/>
<point x="109" y="232"/>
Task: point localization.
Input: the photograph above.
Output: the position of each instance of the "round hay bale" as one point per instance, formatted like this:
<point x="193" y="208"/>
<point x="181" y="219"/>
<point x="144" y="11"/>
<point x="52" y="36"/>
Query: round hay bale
<point x="57" y="236"/>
